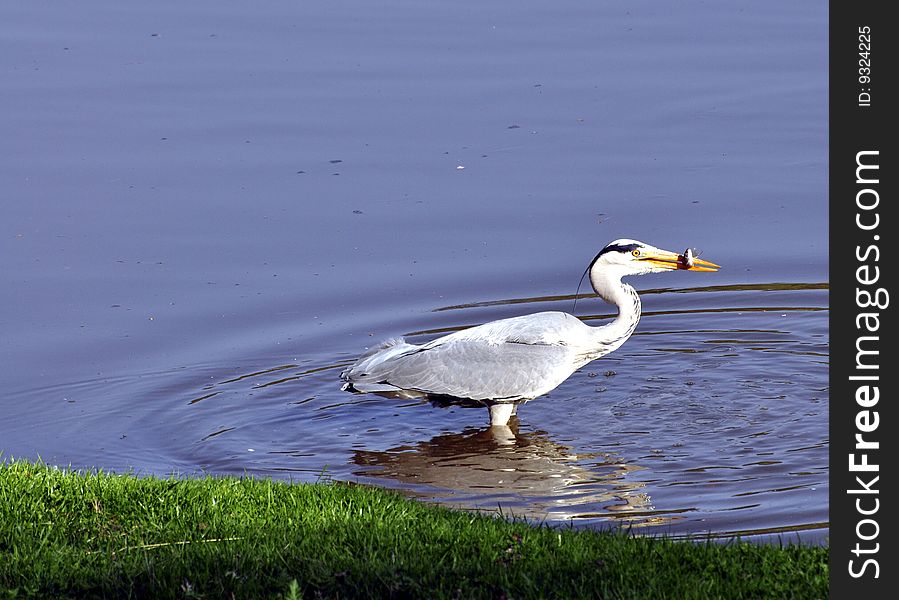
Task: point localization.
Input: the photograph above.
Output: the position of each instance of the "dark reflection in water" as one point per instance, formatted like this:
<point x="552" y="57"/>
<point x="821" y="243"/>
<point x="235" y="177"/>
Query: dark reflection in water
<point x="524" y="474"/>
<point x="755" y="287"/>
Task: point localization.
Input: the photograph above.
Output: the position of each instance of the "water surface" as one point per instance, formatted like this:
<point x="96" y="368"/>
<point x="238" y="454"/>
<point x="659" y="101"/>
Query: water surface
<point x="208" y="210"/>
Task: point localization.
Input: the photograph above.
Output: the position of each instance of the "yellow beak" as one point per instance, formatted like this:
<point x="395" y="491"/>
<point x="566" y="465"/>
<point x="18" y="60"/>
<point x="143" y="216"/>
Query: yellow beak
<point x="674" y="261"/>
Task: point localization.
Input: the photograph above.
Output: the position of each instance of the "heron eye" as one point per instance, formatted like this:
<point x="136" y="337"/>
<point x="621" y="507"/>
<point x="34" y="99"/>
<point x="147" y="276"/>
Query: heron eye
<point x="636" y="253"/>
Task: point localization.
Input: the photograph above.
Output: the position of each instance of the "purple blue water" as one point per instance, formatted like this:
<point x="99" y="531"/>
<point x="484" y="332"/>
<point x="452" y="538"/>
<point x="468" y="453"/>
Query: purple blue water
<point x="207" y="210"/>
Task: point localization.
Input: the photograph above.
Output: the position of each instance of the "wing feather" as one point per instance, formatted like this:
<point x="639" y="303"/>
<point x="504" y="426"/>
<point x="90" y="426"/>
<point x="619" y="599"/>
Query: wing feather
<point x="510" y="359"/>
<point x="471" y="369"/>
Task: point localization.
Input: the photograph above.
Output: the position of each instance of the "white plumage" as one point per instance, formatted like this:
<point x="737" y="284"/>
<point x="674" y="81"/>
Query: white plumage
<point x="505" y="362"/>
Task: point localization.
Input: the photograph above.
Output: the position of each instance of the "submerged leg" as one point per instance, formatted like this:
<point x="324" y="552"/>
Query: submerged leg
<point x="502" y="435"/>
<point x="500" y="413"/>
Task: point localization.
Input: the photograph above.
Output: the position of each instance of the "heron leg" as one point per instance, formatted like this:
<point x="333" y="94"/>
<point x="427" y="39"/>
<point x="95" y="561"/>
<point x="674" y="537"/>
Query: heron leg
<point x="500" y="413"/>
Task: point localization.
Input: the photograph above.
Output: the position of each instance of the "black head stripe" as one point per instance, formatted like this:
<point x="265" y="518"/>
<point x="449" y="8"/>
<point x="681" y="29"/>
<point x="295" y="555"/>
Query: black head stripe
<point x="626" y="248"/>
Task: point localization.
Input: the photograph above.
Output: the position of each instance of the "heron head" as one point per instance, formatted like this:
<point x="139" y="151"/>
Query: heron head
<point x="636" y="258"/>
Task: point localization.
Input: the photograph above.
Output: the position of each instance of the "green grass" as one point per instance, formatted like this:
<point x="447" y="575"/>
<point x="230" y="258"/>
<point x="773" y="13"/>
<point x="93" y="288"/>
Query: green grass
<point x="65" y="534"/>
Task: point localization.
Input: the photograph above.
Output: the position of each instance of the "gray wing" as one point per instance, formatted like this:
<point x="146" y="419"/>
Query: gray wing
<point x="474" y="369"/>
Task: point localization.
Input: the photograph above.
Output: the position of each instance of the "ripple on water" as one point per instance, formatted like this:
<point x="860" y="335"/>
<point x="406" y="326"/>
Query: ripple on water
<point x="711" y="419"/>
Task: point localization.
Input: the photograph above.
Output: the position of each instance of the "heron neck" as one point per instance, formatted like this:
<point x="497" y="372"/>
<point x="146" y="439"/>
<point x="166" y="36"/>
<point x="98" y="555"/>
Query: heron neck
<point x="614" y="291"/>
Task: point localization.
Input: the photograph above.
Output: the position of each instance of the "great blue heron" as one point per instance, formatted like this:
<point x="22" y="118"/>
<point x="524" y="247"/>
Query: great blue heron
<point x="505" y="362"/>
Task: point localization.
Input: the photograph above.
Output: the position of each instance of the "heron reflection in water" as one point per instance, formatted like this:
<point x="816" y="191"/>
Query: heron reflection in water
<point x="527" y="473"/>
<point x="503" y="363"/>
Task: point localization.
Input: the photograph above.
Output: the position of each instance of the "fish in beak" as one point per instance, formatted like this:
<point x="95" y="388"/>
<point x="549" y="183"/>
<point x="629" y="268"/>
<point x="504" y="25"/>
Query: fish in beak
<point x="687" y="261"/>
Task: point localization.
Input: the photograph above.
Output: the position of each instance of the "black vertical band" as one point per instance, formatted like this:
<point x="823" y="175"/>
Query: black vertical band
<point x="864" y="420"/>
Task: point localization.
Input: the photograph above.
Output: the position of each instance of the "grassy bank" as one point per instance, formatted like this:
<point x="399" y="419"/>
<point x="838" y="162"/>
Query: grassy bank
<point x="66" y="534"/>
